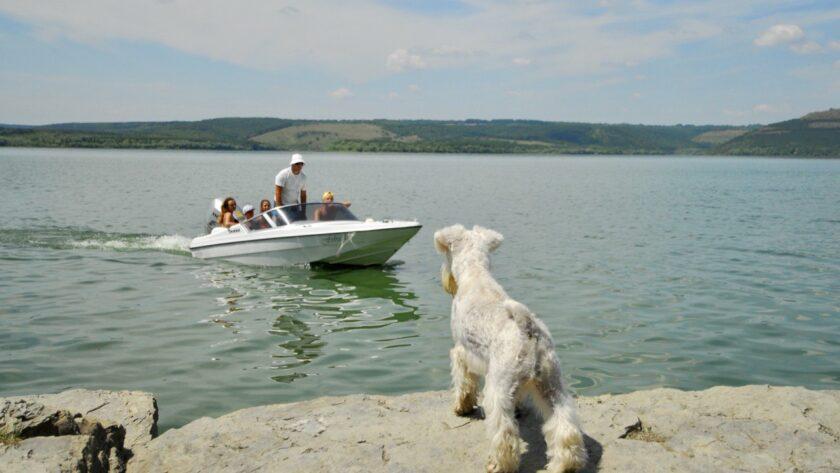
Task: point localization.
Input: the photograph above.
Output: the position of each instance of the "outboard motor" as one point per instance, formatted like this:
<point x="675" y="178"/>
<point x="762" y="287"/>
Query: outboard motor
<point x="215" y="211"/>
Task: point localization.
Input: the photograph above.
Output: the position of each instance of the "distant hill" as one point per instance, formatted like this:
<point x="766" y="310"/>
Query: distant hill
<point x="432" y="136"/>
<point x="219" y="133"/>
<point x="322" y="135"/>
<point x="815" y="134"/>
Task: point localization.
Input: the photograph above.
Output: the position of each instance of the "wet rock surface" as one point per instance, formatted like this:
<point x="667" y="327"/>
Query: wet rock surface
<point x="751" y="428"/>
<point x="74" y="431"/>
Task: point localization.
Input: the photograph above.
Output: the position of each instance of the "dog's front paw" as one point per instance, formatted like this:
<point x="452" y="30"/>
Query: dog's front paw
<point x="463" y="409"/>
<point x="465" y="402"/>
<point x="494" y="467"/>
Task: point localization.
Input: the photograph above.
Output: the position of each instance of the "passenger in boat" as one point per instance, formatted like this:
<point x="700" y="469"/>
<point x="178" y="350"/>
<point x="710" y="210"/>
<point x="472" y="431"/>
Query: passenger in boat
<point x="327" y="211"/>
<point x="290" y="183"/>
<point x="265" y="205"/>
<point x="248" y="210"/>
<point x="227" y="217"/>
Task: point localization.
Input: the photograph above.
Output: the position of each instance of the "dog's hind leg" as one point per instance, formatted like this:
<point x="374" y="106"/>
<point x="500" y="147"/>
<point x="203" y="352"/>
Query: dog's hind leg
<point x="563" y="437"/>
<point x="464" y="383"/>
<point x="499" y="404"/>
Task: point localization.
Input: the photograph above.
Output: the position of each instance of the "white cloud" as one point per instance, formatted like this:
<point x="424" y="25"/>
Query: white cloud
<point x="401" y="60"/>
<point x="364" y="39"/>
<point x="835" y="45"/>
<point x="636" y="95"/>
<point x="392" y="95"/>
<point x="735" y="113"/>
<point x="341" y="93"/>
<point x="779" y="34"/>
<point x="764" y="108"/>
<point x="522" y="61"/>
<point x="413" y="88"/>
<point x="806" y="47"/>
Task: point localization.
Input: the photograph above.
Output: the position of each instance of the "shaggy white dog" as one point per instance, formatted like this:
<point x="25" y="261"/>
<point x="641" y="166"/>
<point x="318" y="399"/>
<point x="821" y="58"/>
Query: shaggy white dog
<point x="500" y="339"/>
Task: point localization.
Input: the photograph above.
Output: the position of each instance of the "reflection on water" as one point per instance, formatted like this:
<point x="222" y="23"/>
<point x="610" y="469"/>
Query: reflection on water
<point x="308" y="312"/>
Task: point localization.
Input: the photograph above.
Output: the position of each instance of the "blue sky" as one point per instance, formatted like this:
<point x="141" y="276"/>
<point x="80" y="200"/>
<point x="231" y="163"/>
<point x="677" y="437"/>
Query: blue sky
<point x="636" y="61"/>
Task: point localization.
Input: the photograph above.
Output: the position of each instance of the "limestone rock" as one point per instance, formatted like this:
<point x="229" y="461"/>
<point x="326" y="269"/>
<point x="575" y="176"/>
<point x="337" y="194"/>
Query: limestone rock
<point x="74" y="431"/>
<point x="45" y="455"/>
<point x="752" y="428"/>
<point x="136" y="411"/>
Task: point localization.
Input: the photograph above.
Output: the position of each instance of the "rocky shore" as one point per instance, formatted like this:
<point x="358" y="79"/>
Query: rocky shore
<point x="751" y="428"/>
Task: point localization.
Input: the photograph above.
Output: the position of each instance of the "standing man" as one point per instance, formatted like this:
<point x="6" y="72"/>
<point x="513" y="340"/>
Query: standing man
<point x="290" y="183"/>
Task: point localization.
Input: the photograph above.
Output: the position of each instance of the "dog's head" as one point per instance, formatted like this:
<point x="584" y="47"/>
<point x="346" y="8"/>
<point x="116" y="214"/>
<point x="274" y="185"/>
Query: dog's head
<point x="461" y="246"/>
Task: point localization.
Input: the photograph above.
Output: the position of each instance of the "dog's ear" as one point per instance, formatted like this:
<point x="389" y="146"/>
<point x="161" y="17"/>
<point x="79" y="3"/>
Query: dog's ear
<point x="491" y="238"/>
<point x="446" y="236"/>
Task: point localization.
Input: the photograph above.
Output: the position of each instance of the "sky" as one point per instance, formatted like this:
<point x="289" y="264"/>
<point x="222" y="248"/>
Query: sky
<point x="609" y="61"/>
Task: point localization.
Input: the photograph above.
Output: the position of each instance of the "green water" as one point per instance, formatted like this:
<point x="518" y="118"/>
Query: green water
<point x="660" y="271"/>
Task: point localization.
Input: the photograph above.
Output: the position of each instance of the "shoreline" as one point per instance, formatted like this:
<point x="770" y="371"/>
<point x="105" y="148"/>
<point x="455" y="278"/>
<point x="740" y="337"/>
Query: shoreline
<point x="676" y="154"/>
<point x="749" y="428"/>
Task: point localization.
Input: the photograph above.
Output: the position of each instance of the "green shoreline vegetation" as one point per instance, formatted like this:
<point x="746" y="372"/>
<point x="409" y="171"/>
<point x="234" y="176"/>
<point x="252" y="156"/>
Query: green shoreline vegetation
<point x="815" y="134"/>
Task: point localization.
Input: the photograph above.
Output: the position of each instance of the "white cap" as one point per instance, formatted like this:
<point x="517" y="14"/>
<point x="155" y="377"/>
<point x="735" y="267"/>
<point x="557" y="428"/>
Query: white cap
<point x="297" y="158"/>
<point x="247" y="208"/>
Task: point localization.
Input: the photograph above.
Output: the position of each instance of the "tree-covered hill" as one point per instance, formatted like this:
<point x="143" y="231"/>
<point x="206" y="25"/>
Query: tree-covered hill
<point x="475" y="136"/>
<point x="815" y="134"/>
<point x="219" y="133"/>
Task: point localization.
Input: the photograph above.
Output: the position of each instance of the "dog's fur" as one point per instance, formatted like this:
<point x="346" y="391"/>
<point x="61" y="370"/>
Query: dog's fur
<point x="500" y="339"/>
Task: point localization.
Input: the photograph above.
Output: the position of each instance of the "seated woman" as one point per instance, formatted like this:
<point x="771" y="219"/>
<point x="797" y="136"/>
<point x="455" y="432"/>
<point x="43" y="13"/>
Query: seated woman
<point x="227" y="217"/>
<point x="265" y="205"/>
<point x="328" y="210"/>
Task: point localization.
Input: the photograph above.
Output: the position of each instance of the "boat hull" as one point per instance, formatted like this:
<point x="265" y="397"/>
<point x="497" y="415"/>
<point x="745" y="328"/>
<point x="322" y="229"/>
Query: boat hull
<point x="353" y="246"/>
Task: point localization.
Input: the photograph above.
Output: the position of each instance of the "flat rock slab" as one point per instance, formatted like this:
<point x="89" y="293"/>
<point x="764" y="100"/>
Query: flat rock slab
<point x="136" y="411"/>
<point x="751" y="428"/>
<point x="45" y="455"/>
<point x="74" y="431"/>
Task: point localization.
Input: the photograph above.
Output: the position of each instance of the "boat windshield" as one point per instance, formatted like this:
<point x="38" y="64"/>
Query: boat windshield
<point x="257" y="223"/>
<point x="317" y="211"/>
<point x="274" y="216"/>
<point x="264" y="221"/>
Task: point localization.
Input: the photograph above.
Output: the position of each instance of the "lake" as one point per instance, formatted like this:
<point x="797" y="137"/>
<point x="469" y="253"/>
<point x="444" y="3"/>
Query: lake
<point x="683" y="272"/>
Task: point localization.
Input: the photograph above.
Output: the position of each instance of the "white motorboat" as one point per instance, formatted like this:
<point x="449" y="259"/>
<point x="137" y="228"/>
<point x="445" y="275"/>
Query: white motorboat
<point x="305" y="233"/>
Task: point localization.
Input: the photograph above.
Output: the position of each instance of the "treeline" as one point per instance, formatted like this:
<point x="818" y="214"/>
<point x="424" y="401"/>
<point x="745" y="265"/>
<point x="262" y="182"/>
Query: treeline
<point x="478" y="147"/>
<point x="53" y="139"/>
<point x="817" y="134"/>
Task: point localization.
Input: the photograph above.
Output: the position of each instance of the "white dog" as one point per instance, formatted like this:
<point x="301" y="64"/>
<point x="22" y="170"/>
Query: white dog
<point x="500" y="339"/>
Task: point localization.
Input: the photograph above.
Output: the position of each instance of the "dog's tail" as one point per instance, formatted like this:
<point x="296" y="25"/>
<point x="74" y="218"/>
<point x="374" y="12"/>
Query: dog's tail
<point x="520" y="314"/>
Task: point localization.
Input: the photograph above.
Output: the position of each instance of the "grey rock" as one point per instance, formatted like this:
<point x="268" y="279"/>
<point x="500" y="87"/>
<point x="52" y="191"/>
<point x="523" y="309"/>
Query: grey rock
<point x="136" y="411"/>
<point x="751" y="428"/>
<point x="44" y="454"/>
<point x="75" y="431"/>
<point x="90" y="449"/>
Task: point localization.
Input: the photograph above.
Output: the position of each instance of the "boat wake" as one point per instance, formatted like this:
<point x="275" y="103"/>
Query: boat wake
<point x="72" y="238"/>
